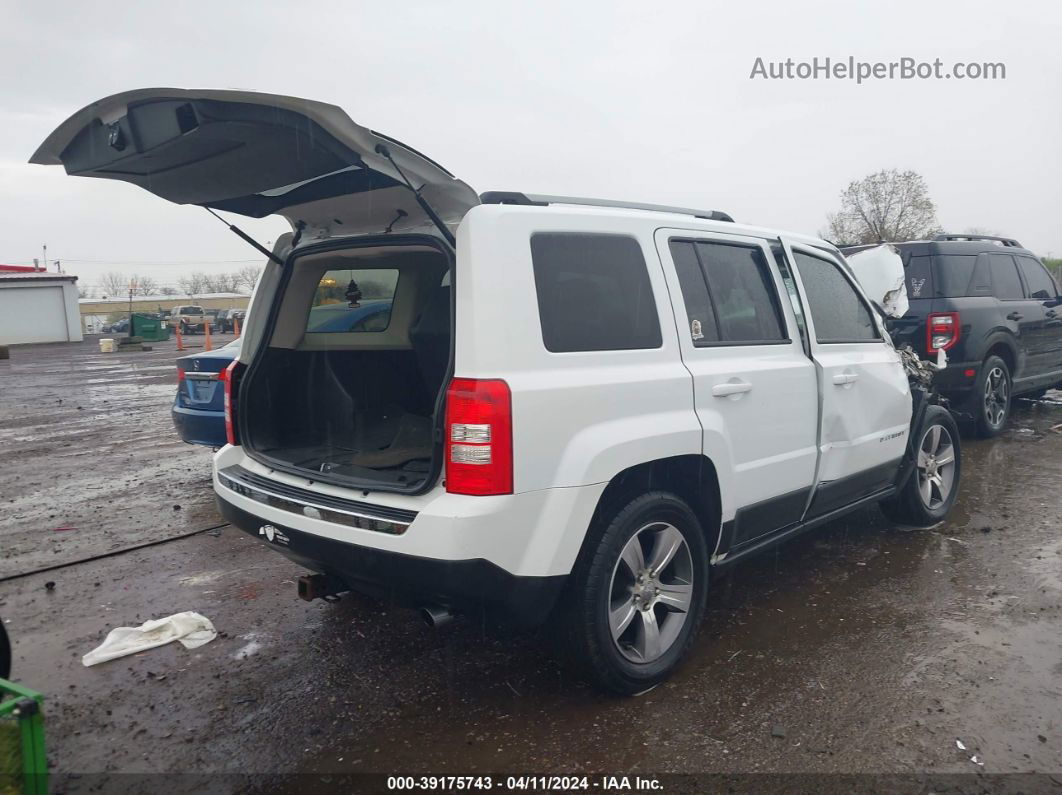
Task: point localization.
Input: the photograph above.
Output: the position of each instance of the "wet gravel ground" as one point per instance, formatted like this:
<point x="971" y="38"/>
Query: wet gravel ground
<point x="860" y="648"/>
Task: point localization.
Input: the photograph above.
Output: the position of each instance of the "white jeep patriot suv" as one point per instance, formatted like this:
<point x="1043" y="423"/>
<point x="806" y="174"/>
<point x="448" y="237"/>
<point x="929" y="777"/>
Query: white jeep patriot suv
<point x="551" y="409"/>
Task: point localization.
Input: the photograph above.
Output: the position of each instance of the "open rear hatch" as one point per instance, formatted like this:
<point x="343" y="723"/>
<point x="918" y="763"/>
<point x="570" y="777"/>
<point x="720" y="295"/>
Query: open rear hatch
<point x="341" y="390"/>
<point x="258" y="155"/>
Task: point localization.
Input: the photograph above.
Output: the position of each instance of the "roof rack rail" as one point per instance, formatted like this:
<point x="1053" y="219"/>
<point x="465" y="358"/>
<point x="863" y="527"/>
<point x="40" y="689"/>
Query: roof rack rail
<point x="537" y="200"/>
<point x="1005" y="241"/>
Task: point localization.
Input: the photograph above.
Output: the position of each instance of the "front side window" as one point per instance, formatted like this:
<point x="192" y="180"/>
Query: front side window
<point x="838" y="311"/>
<point x="1005" y="277"/>
<point x="1041" y="285"/>
<point x="352" y="300"/>
<point x="593" y="293"/>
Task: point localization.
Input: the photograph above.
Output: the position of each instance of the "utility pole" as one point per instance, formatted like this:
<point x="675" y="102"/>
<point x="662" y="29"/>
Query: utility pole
<point x="132" y="288"/>
<point x="45" y="248"/>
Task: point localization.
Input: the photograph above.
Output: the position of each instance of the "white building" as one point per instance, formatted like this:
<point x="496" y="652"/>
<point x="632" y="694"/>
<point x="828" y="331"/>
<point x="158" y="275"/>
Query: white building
<point x="36" y="306"/>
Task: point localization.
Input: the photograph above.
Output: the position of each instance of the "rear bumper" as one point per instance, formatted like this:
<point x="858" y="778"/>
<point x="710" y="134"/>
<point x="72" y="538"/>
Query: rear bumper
<point x="473" y="585"/>
<point x="957" y="381"/>
<point x="197" y="426"/>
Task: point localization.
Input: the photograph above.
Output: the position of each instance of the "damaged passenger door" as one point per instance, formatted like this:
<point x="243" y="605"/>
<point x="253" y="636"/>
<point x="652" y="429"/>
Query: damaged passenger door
<point x="866" y="403"/>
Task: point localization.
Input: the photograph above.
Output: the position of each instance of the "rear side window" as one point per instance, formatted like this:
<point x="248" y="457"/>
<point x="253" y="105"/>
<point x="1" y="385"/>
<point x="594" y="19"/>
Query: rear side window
<point x="352" y="300"/>
<point x="1005" y="277"/>
<point x="703" y="328"/>
<point x="593" y="293"/>
<point x="730" y="284"/>
<point x="839" y="314"/>
<point x="919" y="278"/>
<point x="1041" y="285"/>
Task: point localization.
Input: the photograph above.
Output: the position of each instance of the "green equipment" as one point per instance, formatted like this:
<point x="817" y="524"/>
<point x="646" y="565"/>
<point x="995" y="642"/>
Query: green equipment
<point x="23" y="766"/>
<point x="149" y="328"/>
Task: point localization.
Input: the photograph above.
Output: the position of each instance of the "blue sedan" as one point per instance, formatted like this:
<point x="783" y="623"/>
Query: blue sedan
<point x="199" y="408"/>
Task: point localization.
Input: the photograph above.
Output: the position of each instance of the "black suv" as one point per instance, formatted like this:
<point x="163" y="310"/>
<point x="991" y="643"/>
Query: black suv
<point x="995" y="309"/>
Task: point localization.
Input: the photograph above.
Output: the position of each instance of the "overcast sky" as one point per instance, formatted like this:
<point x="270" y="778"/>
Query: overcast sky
<point x="637" y="101"/>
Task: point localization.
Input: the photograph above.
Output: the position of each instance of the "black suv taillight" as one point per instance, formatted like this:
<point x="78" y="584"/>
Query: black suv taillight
<point x="942" y="331"/>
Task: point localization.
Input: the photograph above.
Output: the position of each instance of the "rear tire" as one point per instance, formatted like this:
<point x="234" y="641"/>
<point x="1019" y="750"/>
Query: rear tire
<point x="931" y="489"/>
<point x="991" y="398"/>
<point x="637" y="593"/>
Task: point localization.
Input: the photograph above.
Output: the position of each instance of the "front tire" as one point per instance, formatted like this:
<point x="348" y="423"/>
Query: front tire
<point x="992" y="396"/>
<point x="637" y="594"/>
<point x="931" y="489"/>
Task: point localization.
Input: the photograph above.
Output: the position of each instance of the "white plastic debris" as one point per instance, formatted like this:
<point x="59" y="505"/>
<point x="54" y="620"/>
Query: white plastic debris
<point x="191" y="629"/>
<point x="959" y="745"/>
<point x="976" y="761"/>
<point x="880" y="272"/>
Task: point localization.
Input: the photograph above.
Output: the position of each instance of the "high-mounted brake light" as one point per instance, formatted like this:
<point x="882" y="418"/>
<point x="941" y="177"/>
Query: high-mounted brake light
<point x="942" y="331"/>
<point x="479" y="437"/>
<point x="229" y="376"/>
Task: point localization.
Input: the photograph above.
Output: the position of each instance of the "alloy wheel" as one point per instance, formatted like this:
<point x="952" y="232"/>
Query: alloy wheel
<point x="936" y="466"/>
<point x="997" y="394"/>
<point x="651" y="592"/>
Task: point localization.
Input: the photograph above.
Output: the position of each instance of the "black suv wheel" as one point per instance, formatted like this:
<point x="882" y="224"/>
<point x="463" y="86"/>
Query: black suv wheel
<point x="637" y="594"/>
<point x="991" y="397"/>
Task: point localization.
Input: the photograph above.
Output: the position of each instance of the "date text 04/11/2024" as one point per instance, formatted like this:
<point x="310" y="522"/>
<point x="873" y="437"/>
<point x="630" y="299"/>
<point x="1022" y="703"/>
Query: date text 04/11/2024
<point x="524" y="783"/>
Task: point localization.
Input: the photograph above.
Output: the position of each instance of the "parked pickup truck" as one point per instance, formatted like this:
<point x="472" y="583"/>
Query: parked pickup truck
<point x="190" y="319"/>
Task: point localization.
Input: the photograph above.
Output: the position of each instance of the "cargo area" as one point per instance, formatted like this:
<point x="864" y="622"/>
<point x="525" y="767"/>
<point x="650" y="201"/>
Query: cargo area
<point x="347" y="385"/>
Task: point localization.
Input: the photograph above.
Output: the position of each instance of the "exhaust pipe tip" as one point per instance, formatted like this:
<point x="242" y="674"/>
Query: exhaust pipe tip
<point x="436" y="616"/>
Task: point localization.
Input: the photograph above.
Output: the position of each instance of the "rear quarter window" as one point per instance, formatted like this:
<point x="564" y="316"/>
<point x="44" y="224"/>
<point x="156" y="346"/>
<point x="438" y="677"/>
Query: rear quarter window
<point x="593" y="293"/>
<point x="955" y="275"/>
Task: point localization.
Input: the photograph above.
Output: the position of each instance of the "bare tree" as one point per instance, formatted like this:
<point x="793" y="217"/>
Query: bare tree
<point x="247" y="277"/>
<point x="890" y="205"/>
<point x="221" y="283"/>
<point x="146" y="285"/>
<point x="167" y="290"/>
<point x="114" y="284"/>
<point x="193" y="284"/>
<point x="82" y="292"/>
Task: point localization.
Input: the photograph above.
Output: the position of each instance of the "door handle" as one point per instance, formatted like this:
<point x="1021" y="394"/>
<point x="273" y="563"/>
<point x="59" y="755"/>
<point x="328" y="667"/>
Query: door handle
<point x="844" y="379"/>
<point x="1015" y="316"/>
<point x="731" y="388"/>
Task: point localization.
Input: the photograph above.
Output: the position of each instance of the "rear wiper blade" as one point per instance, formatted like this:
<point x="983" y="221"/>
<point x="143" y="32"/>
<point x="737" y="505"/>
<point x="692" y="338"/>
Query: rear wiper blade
<point x="381" y="149"/>
<point x="240" y="233"/>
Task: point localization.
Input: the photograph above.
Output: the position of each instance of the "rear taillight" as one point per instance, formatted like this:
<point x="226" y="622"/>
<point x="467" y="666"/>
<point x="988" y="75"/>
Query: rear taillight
<point x="942" y="331"/>
<point x="479" y="437"/>
<point x="230" y="377"/>
<point x="180" y="374"/>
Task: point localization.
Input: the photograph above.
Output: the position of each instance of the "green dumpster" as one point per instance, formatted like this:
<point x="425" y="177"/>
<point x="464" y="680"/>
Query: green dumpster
<point x="149" y="328"/>
<point x="23" y="766"/>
